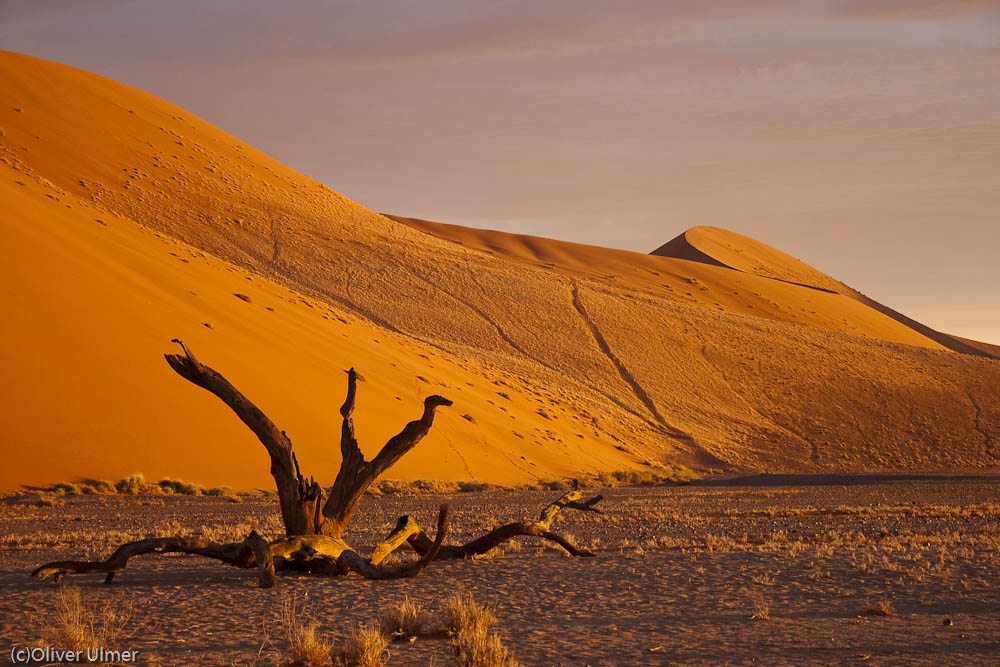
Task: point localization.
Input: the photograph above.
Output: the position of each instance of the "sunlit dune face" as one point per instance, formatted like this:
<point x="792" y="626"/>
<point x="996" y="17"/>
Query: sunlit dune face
<point x="130" y="221"/>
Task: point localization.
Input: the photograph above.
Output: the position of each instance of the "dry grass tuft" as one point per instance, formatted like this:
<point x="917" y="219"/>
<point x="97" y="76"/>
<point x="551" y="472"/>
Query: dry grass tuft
<point x="305" y="647"/>
<point x="403" y="621"/>
<point x="463" y="614"/>
<point x="761" y="607"/>
<point x="136" y="485"/>
<point x="367" y="647"/>
<point x="881" y="608"/>
<point x="478" y="648"/>
<point x="132" y="485"/>
<point x="468" y="622"/>
<point x="78" y="626"/>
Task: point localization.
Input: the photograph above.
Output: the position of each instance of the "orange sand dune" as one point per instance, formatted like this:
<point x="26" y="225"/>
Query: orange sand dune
<point x="94" y="300"/>
<point x="721" y="247"/>
<point x="690" y="276"/>
<point x="554" y="369"/>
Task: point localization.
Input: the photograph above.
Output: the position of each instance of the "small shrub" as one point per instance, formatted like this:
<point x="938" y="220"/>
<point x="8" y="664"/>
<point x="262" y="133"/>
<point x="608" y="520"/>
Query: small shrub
<point x="479" y="648"/>
<point x="473" y="645"/>
<point x="77" y="626"/>
<point x="367" y="647"/>
<point x="132" y="485"/>
<point x="463" y="614"/>
<point x="391" y="487"/>
<point x="552" y="485"/>
<point x="761" y="607"/>
<point x="432" y="486"/>
<point x="177" y="487"/>
<point x="881" y="608"/>
<point x="472" y="486"/>
<point x="403" y="621"/>
<point x="305" y="647"/>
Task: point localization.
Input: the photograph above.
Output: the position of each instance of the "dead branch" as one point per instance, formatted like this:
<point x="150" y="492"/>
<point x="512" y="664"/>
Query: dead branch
<point x="407" y="531"/>
<point x="321" y="554"/>
<point x="240" y="554"/>
<point x="356" y="474"/>
<point x="299" y="498"/>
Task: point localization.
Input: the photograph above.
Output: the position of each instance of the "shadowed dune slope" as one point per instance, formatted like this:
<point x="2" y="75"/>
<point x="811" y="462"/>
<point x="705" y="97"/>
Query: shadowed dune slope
<point x="128" y="221"/>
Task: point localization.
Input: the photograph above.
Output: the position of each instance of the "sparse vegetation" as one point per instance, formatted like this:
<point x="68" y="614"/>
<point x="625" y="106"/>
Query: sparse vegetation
<point x="462" y="614"/>
<point x="131" y="485"/>
<point x="403" y="621"/>
<point x="479" y="648"/>
<point x="366" y="647"/>
<point x="881" y="608"/>
<point x="473" y="486"/>
<point x="76" y="625"/>
<point x="841" y="548"/>
<point x="305" y="646"/>
<point x="136" y="485"/>
<point x="473" y="645"/>
<point x="761" y="607"/>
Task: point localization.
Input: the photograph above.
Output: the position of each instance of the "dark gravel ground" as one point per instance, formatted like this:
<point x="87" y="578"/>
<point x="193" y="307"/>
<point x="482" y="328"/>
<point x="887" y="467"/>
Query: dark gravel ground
<point x="675" y="578"/>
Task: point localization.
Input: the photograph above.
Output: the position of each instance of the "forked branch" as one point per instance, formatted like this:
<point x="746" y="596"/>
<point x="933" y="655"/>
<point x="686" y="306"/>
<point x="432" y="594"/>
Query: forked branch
<point x="356" y="474"/>
<point x="408" y="531"/>
<point x="301" y="498"/>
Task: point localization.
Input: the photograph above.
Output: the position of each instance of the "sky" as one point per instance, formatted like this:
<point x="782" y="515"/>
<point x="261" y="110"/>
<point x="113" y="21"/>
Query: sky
<point x="862" y="136"/>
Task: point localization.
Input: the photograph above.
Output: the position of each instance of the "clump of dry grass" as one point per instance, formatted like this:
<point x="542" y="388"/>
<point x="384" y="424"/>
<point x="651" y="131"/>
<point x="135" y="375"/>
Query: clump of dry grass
<point x="171" y="487"/>
<point x="761" y="607"/>
<point x="136" y="485"/>
<point x="481" y="649"/>
<point x="305" y="646"/>
<point x="473" y="645"/>
<point x="655" y="477"/>
<point x="473" y="486"/>
<point x="403" y="621"/>
<point x="131" y="485"/>
<point x="463" y="614"/>
<point x="881" y="608"/>
<point x="367" y="647"/>
<point x="78" y="626"/>
<point x="397" y="487"/>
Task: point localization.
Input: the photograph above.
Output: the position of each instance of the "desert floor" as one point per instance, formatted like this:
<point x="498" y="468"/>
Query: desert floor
<point x="674" y="581"/>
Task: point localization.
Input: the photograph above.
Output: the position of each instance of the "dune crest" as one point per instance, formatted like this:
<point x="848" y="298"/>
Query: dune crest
<point x="722" y="247"/>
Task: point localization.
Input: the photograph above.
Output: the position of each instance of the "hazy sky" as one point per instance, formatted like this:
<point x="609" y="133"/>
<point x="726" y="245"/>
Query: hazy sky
<point x="862" y="136"/>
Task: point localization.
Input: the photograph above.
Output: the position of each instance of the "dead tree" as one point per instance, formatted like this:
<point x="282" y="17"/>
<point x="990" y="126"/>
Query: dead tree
<point x="314" y="530"/>
<point x="301" y="499"/>
<point x="306" y="553"/>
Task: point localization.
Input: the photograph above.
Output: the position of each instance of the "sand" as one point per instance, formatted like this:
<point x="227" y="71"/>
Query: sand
<point x="671" y="583"/>
<point x="128" y="221"/>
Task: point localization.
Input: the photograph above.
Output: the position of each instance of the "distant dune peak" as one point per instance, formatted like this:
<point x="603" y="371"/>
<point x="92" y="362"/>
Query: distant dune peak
<point x="721" y="247"/>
